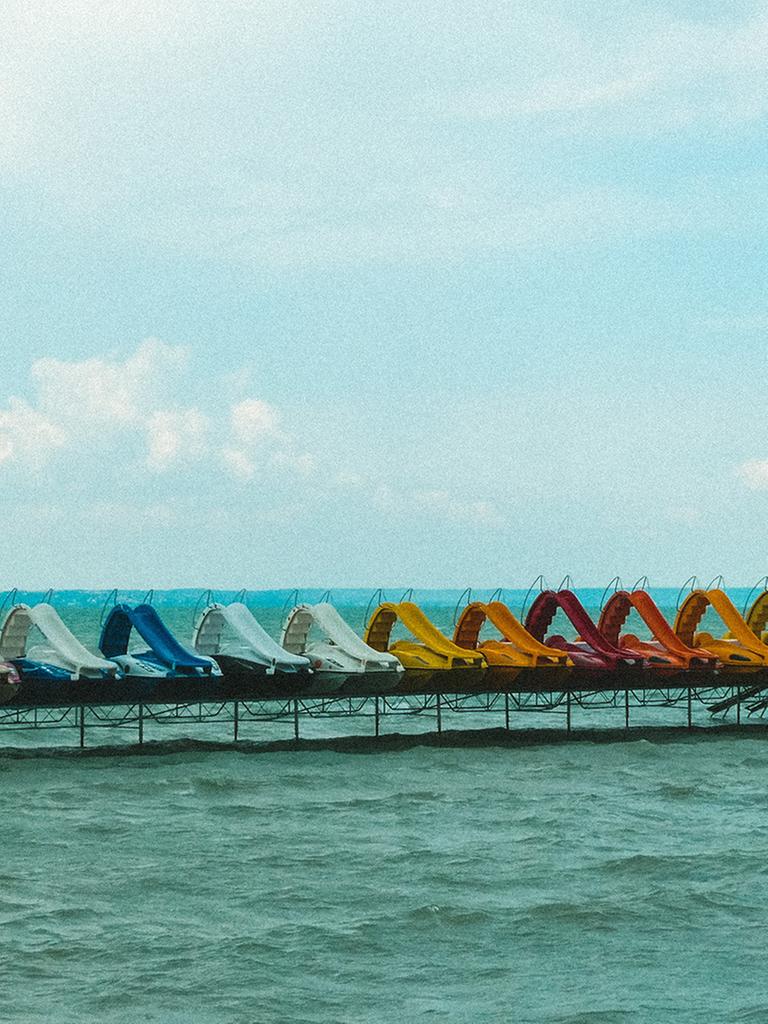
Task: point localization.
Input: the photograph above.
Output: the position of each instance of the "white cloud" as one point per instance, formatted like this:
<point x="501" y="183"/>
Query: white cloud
<point x="254" y="421"/>
<point x="175" y="435"/>
<point x="78" y="404"/>
<point x="249" y="441"/>
<point x="257" y="438"/>
<point x="27" y="436"/>
<point x="108" y="393"/>
<point x="238" y="463"/>
<point x="128" y="408"/>
<point x="754" y="473"/>
<point x="239" y="382"/>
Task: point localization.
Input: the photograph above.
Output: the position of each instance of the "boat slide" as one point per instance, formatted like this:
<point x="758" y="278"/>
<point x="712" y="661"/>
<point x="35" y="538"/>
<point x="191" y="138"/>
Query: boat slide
<point x="338" y="649"/>
<point x="739" y="648"/>
<point x="60" y="650"/>
<point x="592" y="650"/>
<point x="666" y="647"/>
<point x="165" y="658"/>
<point x="430" y="649"/>
<point x="248" y="643"/>
<point x="516" y="648"/>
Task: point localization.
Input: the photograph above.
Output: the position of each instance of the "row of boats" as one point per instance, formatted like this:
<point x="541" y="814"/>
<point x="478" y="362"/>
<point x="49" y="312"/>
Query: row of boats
<point x="318" y="651"/>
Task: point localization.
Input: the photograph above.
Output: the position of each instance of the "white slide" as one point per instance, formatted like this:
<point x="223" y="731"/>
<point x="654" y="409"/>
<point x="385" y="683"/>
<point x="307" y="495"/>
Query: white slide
<point x="60" y="648"/>
<point x="339" y="648"/>
<point x="249" y="641"/>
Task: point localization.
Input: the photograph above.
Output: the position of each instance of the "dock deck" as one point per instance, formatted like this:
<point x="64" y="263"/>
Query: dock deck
<point x="577" y="701"/>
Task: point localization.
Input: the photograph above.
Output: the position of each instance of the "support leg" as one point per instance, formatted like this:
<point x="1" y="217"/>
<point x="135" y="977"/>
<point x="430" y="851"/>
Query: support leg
<point x="626" y="709"/>
<point x="141" y="725"/>
<point x="439" y="714"/>
<point x="376" y="715"/>
<point x="506" y="711"/>
<point x="690" y="708"/>
<point x="568" y="713"/>
<point x="82" y="726"/>
<point x="296" y="720"/>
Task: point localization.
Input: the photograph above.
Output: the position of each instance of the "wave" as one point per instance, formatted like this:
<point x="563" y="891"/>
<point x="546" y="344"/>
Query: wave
<point x="644" y="743"/>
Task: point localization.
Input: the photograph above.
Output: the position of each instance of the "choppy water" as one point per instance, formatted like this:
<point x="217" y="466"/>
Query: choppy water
<point x="549" y="882"/>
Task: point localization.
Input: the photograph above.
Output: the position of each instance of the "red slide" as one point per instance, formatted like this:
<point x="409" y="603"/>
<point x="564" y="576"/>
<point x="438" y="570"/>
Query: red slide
<point x="592" y="650"/>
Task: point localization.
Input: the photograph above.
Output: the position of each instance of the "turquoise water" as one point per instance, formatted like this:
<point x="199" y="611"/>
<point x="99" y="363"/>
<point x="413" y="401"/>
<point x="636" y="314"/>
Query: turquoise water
<point x="476" y="881"/>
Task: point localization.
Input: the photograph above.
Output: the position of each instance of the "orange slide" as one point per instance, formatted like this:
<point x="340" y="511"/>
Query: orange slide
<point x="666" y="649"/>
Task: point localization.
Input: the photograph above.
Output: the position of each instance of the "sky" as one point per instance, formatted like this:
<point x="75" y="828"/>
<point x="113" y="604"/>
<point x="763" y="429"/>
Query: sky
<point x="334" y="294"/>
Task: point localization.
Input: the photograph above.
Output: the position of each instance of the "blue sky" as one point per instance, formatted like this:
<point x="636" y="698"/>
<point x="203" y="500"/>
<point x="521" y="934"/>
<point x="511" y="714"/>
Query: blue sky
<point x="336" y="294"/>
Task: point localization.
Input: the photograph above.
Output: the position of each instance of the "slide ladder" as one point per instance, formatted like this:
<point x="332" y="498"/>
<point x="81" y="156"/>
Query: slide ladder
<point x="250" y="642"/>
<point x="429" y="648"/>
<point x="517" y="648"/>
<point x="591" y="650"/>
<point x="61" y="648"/>
<point x="666" y="649"/>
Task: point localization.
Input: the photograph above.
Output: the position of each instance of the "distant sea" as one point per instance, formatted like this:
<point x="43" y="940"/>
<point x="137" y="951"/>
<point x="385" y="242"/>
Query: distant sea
<point x="481" y="881"/>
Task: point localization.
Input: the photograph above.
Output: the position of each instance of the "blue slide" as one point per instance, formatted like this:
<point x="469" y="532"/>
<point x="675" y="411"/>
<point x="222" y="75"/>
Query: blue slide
<point x="165" y="655"/>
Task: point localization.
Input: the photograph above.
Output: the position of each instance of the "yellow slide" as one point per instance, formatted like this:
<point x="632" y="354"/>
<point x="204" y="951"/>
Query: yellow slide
<point x="740" y="648"/>
<point x="430" y="649"/>
<point x="517" y="648"/>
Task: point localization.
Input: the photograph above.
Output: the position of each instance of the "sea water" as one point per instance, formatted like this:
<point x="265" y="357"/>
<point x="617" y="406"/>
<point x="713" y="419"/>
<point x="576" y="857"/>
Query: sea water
<point x="620" y="880"/>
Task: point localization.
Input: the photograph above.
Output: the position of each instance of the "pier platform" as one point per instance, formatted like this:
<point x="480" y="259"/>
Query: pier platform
<point x="444" y="700"/>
